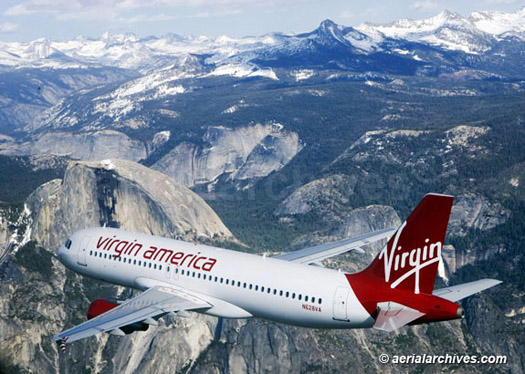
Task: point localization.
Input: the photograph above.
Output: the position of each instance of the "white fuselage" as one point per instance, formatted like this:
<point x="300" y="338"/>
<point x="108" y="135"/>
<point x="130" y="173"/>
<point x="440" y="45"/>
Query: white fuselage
<point x="238" y="285"/>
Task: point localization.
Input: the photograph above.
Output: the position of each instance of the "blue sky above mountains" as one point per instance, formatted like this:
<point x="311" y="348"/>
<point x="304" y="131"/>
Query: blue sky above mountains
<point x="25" y="20"/>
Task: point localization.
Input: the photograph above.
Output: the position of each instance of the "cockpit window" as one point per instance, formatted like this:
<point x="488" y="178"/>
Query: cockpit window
<point x="68" y="244"/>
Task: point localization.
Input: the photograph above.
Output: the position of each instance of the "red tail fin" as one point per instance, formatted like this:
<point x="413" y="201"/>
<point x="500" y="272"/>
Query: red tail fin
<point x="411" y="257"/>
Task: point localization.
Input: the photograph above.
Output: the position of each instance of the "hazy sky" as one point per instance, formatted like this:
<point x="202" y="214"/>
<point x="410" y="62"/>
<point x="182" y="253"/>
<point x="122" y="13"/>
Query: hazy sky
<point x="23" y="20"/>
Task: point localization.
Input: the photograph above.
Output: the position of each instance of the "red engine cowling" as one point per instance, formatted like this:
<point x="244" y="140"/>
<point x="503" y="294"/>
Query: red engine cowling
<point x="100" y="306"/>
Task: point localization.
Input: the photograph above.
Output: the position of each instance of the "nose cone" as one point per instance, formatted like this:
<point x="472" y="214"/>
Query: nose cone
<point x="65" y="254"/>
<point x="61" y="254"/>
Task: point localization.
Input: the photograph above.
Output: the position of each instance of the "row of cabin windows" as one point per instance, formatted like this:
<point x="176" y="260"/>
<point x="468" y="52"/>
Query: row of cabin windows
<point x="249" y="286"/>
<point x="126" y="260"/>
<point x="212" y="278"/>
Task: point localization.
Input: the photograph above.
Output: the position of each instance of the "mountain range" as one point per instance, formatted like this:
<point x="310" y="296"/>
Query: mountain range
<point x="124" y="90"/>
<point x="480" y="33"/>
<point x="288" y="140"/>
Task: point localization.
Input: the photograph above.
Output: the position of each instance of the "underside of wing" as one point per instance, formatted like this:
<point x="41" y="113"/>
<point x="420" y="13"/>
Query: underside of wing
<point x="318" y="253"/>
<point x="456" y="293"/>
<point x="146" y="307"/>
<point x="392" y="316"/>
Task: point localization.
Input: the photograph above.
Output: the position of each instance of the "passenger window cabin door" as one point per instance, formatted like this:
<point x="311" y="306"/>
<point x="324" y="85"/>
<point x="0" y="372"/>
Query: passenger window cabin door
<point x="82" y="251"/>
<point x="172" y="272"/>
<point x="340" y="300"/>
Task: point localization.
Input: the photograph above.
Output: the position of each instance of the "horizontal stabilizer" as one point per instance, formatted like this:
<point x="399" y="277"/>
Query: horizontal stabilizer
<point x="392" y="316"/>
<point x="455" y="293"/>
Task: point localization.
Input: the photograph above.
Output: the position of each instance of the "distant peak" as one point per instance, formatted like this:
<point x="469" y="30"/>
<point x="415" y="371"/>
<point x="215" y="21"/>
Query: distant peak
<point x="327" y="22"/>
<point x="107" y="36"/>
<point x="448" y="15"/>
<point x="330" y="27"/>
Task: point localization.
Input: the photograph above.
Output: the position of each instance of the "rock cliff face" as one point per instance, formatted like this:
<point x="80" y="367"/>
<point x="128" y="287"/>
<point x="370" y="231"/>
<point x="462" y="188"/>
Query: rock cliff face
<point x="324" y="195"/>
<point x="367" y="219"/>
<point x="443" y="147"/>
<point x="90" y="145"/>
<point x="38" y="296"/>
<point x="27" y="93"/>
<point x="472" y="211"/>
<point x="242" y="154"/>
<point x="122" y="194"/>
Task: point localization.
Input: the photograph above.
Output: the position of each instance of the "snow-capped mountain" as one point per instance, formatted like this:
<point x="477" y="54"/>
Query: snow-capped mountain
<point x="448" y="30"/>
<point x="475" y="34"/>
<point x="498" y="23"/>
<point x="126" y="83"/>
<point x="126" y="51"/>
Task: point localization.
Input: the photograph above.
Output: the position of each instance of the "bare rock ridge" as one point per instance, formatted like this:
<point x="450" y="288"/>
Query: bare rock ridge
<point x="472" y="211"/>
<point x="325" y="195"/>
<point x="90" y="145"/>
<point x="122" y="194"/>
<point x="39" y="297"/>
<point x="390" y="147"/>
<point x="242" y="154"/>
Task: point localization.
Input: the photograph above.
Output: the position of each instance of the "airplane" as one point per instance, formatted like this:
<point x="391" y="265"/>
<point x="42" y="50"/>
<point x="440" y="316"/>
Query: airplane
<point x="178" y="277"/>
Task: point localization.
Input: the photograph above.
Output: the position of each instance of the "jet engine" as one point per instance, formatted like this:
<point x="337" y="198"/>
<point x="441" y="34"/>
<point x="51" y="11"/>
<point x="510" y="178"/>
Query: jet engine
<point x="100" y="306"/>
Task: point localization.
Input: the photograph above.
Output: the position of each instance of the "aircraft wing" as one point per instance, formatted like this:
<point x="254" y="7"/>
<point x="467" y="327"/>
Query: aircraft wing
<point x="320" y="252"/>
<point x="455" y="293"/>
<point x="154" y="302"/>
<point x="392" y="316"/>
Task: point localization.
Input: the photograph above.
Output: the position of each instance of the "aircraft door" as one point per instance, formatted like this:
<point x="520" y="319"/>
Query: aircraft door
<point x="82" y="250"/>
<point x="340" y="300"/>
<point x="172" y="271"/>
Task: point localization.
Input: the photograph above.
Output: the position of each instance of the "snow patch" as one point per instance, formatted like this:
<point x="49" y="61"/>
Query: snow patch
<point x="128" y="97"/>
<point x="107" y="164"/>
<point x="372" y="84"/>
<point x="401" y="51"/>
<point x="514" y="182"/>
<point x="318" y="93"/>
<point x="303" y="74"/>
<point x="243" y="71"/>
<point x="235" y="107"/>
<point x="161" y="137"/>
<point x="165" y="90"/>
<point x="463" y="135"/>
<point x="231" y="109"/>
<point x="496" y="23"/>
<point x="401" y="133"/>
<point x="23" y="221"/>
<point x="391" y="117"/>
<point x="169" y="113"/>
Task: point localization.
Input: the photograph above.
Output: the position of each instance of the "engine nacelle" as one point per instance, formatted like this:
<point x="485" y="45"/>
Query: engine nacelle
<point x="100" y="306"/>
